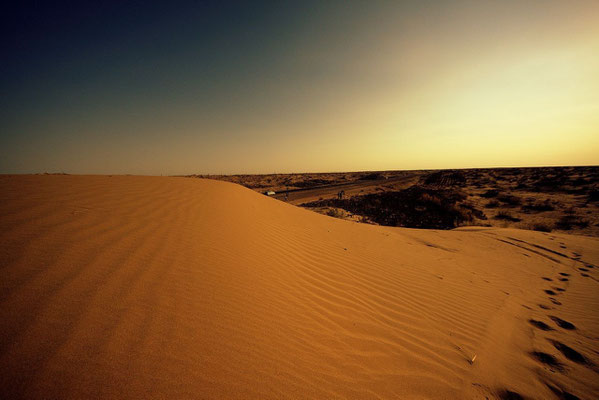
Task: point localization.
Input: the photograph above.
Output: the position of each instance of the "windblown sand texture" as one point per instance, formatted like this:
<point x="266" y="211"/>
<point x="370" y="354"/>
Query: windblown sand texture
<point x="147" y="287"/>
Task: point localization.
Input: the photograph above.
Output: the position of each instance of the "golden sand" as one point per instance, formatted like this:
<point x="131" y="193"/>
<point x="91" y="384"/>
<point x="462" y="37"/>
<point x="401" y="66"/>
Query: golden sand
<point x="149" y="287"/>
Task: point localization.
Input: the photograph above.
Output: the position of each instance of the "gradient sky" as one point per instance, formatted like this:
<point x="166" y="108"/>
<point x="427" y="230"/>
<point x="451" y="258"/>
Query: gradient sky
<point x="182" y="88"/>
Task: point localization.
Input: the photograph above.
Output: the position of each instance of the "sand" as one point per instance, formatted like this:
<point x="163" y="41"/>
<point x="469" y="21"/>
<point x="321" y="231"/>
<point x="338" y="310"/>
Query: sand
<point x="150" y="287"/>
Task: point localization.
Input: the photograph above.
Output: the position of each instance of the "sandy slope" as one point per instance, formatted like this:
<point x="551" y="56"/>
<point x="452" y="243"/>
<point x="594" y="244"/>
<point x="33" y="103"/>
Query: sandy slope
<point x="141" y="287"/>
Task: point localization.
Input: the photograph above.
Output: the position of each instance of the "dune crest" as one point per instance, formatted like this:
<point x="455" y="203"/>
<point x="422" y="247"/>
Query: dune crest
<point x="149" y="287"/>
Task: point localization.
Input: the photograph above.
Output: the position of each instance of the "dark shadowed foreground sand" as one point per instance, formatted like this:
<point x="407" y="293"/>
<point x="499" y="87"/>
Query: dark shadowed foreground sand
<point x="141" y="287"/>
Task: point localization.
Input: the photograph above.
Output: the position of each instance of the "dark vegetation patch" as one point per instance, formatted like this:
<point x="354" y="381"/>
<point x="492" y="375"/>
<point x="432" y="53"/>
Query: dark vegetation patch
<point x="540" y="325"/>
<point x="505" y="216"/>
<point x="490" y="194"/>
<point x="593" y="196"/>
<point x="473" y="210"/>
<point x="372" y="177"/>
<point x="445" y="178"/>
<point x="562" y="323"/>
<point x="335" y="213"/>
<point x="524" y="192"/>
<point x="509" y="200"/>
<point x="538" y="206"/>
<point x="569" y="221"/>
<point x="541" y="227"/>
<point x="492" y="204"/>
<point x="414" y="207"/>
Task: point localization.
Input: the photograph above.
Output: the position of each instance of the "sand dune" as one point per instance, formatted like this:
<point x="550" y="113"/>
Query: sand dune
<point x="147" y="287"/>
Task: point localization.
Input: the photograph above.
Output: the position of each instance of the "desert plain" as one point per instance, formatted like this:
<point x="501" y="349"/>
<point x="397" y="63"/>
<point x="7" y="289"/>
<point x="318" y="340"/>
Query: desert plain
<point x="137" y="287"/>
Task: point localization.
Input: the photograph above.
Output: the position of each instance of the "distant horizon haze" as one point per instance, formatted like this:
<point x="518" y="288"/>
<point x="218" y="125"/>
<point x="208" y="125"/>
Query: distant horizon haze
<point x="301" y="172"/>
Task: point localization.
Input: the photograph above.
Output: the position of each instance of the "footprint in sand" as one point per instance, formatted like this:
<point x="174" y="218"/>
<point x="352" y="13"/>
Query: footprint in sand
<point x="540" y="325"/>
<point x="564" y="274"/>
<point x="564" y="279"/>
<point x="550" y="292"/>
<point x="547" y="359"/>
<point x="562" y="394"/>
<point x="570" y="353"/>
<point x="554" y="301"/>
<point x="562" y="323"/>
<point x="505" y="394"/>
<point x="547" y="279"/>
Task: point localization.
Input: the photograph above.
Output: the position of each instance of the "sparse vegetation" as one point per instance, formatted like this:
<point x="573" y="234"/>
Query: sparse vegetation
<point x="490" y="193"/>
<point x="445" y="178"/>
<point x="372" y="177"/>
<point x="335" y="213"/>
<point x="568" y="222"/>
<point x="509" y="200"/>
<point x="541" y="227"/>
<point x="502" y="215"/>
<point x="415" y="207"/>
<point x="567" y="198"/>
<point x="538" y="206"/>
<point x="492" y="204"/>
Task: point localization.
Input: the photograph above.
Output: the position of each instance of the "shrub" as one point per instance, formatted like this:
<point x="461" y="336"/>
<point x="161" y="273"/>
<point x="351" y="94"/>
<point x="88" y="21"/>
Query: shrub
<point x="509" y="199"/>
<point x="335" y="213"/>
<point x="445" y="178"/>
<point x="490" y="193"/>
<point x="415" y="207"/>
<point x="492" y="204"/>
<point x="475" y="212"/>
<point x="372" y="176"/>
<point x="541" y="227"/>
<point x="567" y="222"/>
<point x="538" y="206"/>
<point x="506" y="217"/>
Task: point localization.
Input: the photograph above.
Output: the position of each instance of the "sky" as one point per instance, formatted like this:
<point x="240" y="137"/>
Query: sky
<point x="307" y="86"/>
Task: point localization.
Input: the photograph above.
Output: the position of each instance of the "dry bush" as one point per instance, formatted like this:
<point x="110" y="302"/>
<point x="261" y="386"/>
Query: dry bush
<point x="492" y="204"/>
<point x="415" y="207"/>
<point x="509" y="199"/>
<point x="567" y="222"/>
<point x="445" y="178"/>
<point x="539" y="206"/>
<point x="490" y="193"/>
<point x="541" y="227"/>
<point x="505" y="216"/>
<point x="335" y="213"/>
